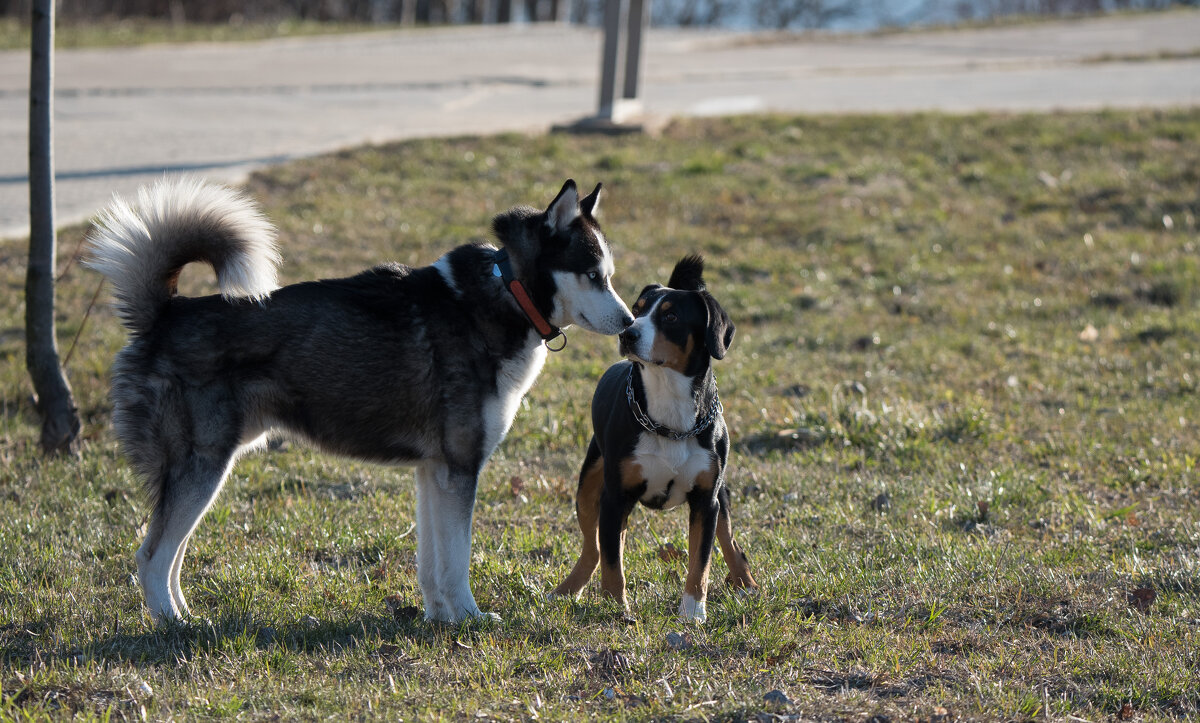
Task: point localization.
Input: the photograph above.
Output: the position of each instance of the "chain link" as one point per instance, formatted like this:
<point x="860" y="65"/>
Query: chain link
<point x="651" y="426"/>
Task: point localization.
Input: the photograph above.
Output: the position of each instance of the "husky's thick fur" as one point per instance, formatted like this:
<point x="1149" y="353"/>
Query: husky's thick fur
<point x="419" y="366"/>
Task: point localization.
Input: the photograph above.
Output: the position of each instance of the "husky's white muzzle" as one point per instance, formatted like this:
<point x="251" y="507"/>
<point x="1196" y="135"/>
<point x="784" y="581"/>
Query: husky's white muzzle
<point x="580" y="301"/>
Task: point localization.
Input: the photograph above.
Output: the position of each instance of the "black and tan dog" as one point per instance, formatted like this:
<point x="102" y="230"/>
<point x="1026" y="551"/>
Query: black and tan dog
<point x="659" y="439"/>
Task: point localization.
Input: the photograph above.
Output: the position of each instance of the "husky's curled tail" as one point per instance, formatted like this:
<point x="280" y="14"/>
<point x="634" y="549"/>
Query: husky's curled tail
<point x="142" y="248"/>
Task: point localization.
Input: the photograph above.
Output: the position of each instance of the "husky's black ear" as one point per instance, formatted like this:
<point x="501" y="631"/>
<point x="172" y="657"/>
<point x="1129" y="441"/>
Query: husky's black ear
<point x="591" y="202"/>
<point x="517" y="230"/>
<point x="688" y="274"/>
<point x="720" y="328"/>
<point x="564" y="208"/>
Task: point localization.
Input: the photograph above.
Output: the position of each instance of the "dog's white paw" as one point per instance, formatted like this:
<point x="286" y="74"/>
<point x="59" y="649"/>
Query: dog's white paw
<point x="693" y="610"/>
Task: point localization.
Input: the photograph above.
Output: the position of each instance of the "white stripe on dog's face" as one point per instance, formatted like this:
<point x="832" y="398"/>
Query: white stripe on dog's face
<point x="589" y="302"/>
<point x="588" y="299"/>
<point x="644" y="329"/>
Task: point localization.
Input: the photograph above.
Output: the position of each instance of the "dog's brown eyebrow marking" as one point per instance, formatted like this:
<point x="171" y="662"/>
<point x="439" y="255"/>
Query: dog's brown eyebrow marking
<point x="640" y="303"/>
<point x="666" y="306"/>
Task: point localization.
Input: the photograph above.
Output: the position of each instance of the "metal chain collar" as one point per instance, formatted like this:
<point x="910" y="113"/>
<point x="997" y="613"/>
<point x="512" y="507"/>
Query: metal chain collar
<point x="651" y="426"/>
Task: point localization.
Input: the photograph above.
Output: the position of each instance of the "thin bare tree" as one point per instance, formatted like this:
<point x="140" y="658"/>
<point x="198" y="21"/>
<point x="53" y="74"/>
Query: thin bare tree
<point x="55" y="404"/>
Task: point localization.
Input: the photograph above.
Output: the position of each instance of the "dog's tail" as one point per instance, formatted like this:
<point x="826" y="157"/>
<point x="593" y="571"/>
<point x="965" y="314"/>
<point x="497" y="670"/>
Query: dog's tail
<point x="142" y="248"/>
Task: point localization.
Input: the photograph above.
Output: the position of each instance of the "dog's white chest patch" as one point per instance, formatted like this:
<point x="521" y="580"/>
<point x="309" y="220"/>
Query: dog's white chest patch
<point x="514" y="378"/>
<point x="669" y="468"/>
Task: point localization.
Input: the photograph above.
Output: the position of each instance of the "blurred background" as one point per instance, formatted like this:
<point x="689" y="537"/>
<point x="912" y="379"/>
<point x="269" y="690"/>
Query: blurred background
<point x="837" y="15"/>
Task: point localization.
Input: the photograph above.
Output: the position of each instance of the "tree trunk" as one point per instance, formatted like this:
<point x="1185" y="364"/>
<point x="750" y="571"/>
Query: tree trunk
<point x="60" y="418"/>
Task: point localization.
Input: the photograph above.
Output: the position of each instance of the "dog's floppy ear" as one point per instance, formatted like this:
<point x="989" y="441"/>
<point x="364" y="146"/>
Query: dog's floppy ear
<point x="591" y="202"/>
<point x="688" y="274"/>
<point x="564" y="208"/>
<point x="720" y="328"/>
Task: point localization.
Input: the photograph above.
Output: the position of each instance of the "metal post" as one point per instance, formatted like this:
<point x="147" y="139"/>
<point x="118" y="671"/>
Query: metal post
<point x="612" y="61"/>
<point x="620" y="63"/>
<point x="639" y="11"/>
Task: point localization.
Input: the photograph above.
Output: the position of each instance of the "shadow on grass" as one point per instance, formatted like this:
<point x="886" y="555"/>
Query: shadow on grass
<point x="34" y="641"/>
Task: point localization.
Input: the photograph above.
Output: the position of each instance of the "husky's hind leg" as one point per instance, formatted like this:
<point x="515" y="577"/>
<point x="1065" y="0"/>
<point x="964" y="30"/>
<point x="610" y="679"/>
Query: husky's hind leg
<point x="186" y="493"/>
<point x="176" y="589"/>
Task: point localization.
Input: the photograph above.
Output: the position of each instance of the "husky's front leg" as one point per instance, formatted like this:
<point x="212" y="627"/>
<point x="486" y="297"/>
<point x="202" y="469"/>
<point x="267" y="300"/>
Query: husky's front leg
<point x="446" y="504"/>
<point x="427" y="577"/>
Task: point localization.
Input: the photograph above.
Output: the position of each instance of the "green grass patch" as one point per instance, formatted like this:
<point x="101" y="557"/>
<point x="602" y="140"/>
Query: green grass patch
<point x="963" y="398"/>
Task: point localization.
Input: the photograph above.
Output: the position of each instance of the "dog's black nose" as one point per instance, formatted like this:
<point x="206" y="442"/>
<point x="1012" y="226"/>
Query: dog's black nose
<point x="627" y="320"/>
<point x="629" y="336"/>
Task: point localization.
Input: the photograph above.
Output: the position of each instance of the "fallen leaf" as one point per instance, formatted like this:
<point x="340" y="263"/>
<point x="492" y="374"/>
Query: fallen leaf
<point x="676" y="641"/>
<point x="1126" y="712"/>
<point x="609" y="662"/>
<point x="670" y="553"/>
<point x="784" y="654"/>
<point x="517" y="485"/>
<point x="1142" y="598"/>
<point x="983" y="506"/>
<point x="400" y="611"/>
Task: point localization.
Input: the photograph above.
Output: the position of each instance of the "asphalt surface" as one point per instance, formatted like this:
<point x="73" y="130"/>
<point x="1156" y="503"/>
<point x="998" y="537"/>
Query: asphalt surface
<point x="124" y="117"/>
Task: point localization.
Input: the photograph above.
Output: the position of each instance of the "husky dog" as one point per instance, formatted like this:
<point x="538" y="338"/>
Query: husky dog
<point x="418" y="366"/>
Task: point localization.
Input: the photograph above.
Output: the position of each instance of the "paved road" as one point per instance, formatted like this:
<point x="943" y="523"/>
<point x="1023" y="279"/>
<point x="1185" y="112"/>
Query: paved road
<point x="126" y="116"/>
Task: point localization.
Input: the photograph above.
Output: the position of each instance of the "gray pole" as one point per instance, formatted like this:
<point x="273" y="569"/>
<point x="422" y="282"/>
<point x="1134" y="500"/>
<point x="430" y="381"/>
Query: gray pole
<point x="639" y="12"/>
<point x="60" y="418"/>
<point x="612" y="61"/>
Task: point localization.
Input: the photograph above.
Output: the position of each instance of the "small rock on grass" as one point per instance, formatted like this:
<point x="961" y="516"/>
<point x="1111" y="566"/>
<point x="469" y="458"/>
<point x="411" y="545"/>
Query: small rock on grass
<point x="777" y="697"/>
<point x="677" y="641"/>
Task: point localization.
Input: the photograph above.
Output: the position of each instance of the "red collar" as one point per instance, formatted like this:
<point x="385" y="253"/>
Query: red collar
<point x="502" y="267"/>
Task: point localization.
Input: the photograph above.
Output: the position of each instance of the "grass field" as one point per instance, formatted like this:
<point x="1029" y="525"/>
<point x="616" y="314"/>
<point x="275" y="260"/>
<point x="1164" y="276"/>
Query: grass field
<point x="963" y="396"/>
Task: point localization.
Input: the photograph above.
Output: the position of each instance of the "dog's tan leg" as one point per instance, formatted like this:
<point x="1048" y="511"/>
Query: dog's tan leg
<point x="700" y="543"/>
<point x="612" y="571"/>
<point x="613" y="522"/>
<point x="587" y="510"/>
<point x="739" y="567"/>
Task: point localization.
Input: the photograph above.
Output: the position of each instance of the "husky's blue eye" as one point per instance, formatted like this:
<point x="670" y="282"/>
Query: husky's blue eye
<point x="593" y="275"/>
